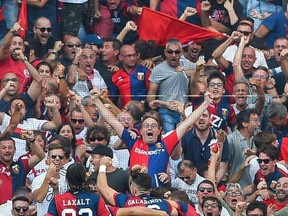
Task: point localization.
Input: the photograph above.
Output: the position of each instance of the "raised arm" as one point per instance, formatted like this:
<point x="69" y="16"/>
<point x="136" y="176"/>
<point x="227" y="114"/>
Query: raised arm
<point x="153" y="88"/>
<point x="205" y="20"/>
<point x="189" y="11"/>
<point x="260" y="95"/>
<point x="103" y="187"/>
<point x="284" y="62"/>
<point x="88" y="120"/>
<point x="194" y="78"/>
<point x="50" y="103"/>
<point x="130" y="26"/>
<point x="231" y="12"/>
<point x="185" y="125"/>
<point x="73" y="68"/>
<point x="106" y="114"/>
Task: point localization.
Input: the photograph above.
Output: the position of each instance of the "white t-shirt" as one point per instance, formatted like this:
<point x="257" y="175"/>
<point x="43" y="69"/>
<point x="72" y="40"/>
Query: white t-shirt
<point x="189" y="189"/>
<point x="28" y="124"/>
<point x="42" y="208"/>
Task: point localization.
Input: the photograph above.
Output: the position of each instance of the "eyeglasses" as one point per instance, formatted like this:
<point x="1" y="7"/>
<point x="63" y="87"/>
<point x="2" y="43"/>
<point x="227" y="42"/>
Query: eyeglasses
<point x="93" y="139"/>
<point x="217" y="85"/>
<point x="266" y="161"/>
<point x="43" y="29"/>
<point x="262" y="77"/>
<point x="54" y="156"/>
<point x="130" y="55"/>
<point x="184" y="177"/>
<point x="152" y="126"/>
<point x="85" y="57"/>
<point x="169" y="51"/>
<point x="123" y="119"/>
<point x="212" y="205"/>
<point x="18" y="208"/>
<point x="70" y="45"/>
<point x="202" y="189"/>
<point x="246" y="33"/>
<point x="80" y="121"/>
<point x="255" y="215"/>
<point x="11" y="79"/>
<point x="234" y="193"/>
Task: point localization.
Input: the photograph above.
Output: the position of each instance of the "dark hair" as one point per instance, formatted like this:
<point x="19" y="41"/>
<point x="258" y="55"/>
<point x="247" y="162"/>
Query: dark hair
<point x="213" y="199"/>
<point x="7" y="137"/>
<point x="216" y="75"/>
<point x="20" y="198"/>
<point x="159" y="192"/>
<point x="64" y="142"/>
<point x="116" y="44"/>
<point x="46" y="64"/>
<point x="146" y="49"/>
<point x="37" y="133"/>
<point x="244" y="116"/>
<point x="257" y="204"/>
<point x="73" y="141"/>
<point x="16" y="97"/>
<point x="142" y="180"/>
<point x="136" y="112"/>
<point x="209" y="69"/>
<point x="270" y="150"/>
<point x="206" y="181"/>
<point x="55" y="146"/>
<point x="180" y="195"/>
<point x="75" y="109"/>
<point x="264" y="138"/>
<point x="152" y="114"/>
<point x="96" y="130"/>
<point x="76" y="177"/>
<point x="185" y="164"/>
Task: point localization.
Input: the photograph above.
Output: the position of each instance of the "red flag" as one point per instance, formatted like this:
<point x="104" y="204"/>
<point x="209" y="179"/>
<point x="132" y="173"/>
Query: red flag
<point x="1" y="13"/>
<point x="160" y="27"/>
<point x="23" y="18"/>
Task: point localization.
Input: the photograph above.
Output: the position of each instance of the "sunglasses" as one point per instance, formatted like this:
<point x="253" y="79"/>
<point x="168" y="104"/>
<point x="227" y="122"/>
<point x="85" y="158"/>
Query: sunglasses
<point x="93" y="139"/>
<point x="43" y="29"/>
<point x="80" y="121"/>
<point x="18" y="208"/>
<point x="266" y="161"/>
<point x="61" y="157"/>
<point x="246" y="33"/>
<point x="70" y="45"/>
<point x="202" y="189"/>
<point x="169" y="51"/>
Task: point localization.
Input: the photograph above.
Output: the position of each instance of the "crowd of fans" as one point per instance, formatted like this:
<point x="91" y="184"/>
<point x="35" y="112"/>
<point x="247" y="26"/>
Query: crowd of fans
<point x="95" y="121"/>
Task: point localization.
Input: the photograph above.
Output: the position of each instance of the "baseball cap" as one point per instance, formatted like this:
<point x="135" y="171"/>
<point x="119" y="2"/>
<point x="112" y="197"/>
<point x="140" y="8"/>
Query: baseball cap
<point x="93" y="39"/>
<point x="101" y="150"/>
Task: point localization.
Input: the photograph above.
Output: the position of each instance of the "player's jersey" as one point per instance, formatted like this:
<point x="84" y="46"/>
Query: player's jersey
<point x="154" y="156"/>
<point x="186" y="210"/>
<point x="145" y="200"/>
<point x="78" y="203"/>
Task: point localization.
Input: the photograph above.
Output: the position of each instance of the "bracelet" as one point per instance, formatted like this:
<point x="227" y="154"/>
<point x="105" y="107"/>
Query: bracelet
<point x="24" y="59"/>
<point x="102" y="169"/>
<point x="61" y="77"/>
<point x="270" y="88"/>
<point x="74" y="64"/>
<point x="52" y="51"/>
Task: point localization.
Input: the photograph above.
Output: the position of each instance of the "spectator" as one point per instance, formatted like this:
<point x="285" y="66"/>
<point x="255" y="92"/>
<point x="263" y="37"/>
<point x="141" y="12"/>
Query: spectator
<point x="256" y="207"/>
<point x="20" y="206"/>
<point x="233" y="195"/>
<point x="211" y="206"/>
<point x="131" y="82"/>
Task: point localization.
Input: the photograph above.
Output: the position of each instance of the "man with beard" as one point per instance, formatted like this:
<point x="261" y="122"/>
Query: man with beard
<point x="268" y="174"/>
<point x="241" y="139"/>
<point x="13" y="60"/>
<point x="132" y="80"/>
<point x="82" y="76"/>
<point x="195" y="145"/>
<point x="194" y="51"/>
<point x="281" y="199"/>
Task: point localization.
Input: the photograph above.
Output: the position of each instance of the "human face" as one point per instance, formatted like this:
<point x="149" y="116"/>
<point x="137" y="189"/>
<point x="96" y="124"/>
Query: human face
<point x="97" y="139"/>
<point x="66" y="131"/>
<point x="44" y="71"/>
<point x="233" y="196"/>
<point x="128" y="56"/>
<point x="20" y="208"/>
<point x="91" y="109"/>
<point x="22" y="111"/>
<point x="150" y="130"/>
<point x="7" y="151"/>
<point x="77" y="121"/>
<point x="266" y="169"/>
<point x="188" y="175"/>
<point x="279" y="45"/>
<point x="248" y="58"/>
<point x="70" y="47"/>
<point x="277" y="121"/>
<point x="113" y="4"/>
<point x="14" y="86"/>
<point x="16" y="44"/>
<point x="241" y="92"/>
<point x="254" y="123"/>
<point x="193" y="52"/>
<point x="42" y="30"/>
<point x="108" y="53"/>
<point x="87" y="60"/>
<point x="255" y="212"/>
<point x="282" y="189"/>
<point x="95" y="161"/>
<point x="207" y="192"/>
<point x="211" y="208"/>
<point x="216" y="87"/>
<point x="126" y="119"/>
<point x="56" y="156"/>
<point x="246" y="31"/>
<point x="57" y="101"/>
<point x="203" y="123"/>
<point x="173" y="53"/>
<point x="261" y="77"/>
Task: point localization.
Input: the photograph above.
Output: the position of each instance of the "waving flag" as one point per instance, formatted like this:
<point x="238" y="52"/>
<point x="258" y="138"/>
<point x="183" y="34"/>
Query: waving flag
<point x="23" y="18"/>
